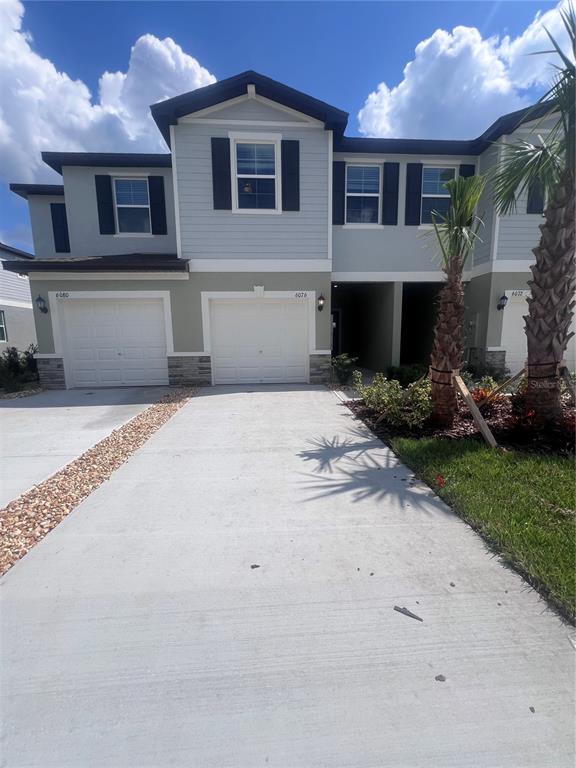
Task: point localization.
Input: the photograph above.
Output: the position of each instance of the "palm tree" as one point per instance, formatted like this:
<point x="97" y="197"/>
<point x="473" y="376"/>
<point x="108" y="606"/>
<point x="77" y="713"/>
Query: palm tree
<point x="456" y="233"/>
<point x="550" y="163"/>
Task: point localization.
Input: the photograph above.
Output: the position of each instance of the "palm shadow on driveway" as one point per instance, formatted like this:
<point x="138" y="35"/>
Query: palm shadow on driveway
<point x="362" y="467"/>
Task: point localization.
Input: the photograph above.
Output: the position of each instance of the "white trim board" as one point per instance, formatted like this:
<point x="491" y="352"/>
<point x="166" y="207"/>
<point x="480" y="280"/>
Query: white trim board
<point x="13" y="303"/>
<point x="175" y="192"/>
<point x="260" y="265"/>
<point x="55" y="276"/>
<point x="388" y="277"/>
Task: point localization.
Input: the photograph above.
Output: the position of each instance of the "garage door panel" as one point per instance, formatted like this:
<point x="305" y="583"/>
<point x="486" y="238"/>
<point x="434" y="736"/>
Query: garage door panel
<point x="259" y="341"/>
<point x="115" y="343"/>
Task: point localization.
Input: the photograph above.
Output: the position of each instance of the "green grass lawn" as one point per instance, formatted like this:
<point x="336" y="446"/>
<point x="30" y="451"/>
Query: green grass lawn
<point x="522" y="503"/>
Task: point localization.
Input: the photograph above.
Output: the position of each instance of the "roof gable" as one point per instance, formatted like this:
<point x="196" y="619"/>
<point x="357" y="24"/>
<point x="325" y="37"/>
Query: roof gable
<point x="167" y="113"/>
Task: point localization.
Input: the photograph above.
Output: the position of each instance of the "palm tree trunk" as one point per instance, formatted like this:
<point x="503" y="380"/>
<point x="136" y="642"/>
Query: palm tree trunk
<point x="551" y="302"/>
<point x="447" y="347"/>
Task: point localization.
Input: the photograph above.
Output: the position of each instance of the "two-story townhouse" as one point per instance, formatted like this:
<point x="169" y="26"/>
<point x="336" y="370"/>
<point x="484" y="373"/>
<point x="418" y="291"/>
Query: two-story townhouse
<point x="261" y="243"/>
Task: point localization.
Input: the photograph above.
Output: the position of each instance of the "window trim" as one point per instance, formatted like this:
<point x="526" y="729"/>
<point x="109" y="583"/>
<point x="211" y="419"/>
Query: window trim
<point x="116" y="220"/>
<point x="3" y="328"/>
<point x="367" y="224"/>
<point x="256" y="138"/>
<point x="454" y="167"/>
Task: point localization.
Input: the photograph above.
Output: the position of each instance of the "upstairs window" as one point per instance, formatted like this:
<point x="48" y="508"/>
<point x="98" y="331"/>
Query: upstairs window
<point x="362" y="194"/>
<point x="132" y="206"/>
<point x="256" y="176"/>
<point x="435" y="196"/>
<point x="3" y="334"/>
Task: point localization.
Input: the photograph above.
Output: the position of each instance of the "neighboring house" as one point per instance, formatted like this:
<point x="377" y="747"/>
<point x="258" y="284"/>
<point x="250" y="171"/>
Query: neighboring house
<point x="16" y="318"/>
<point x="263" y="241"/>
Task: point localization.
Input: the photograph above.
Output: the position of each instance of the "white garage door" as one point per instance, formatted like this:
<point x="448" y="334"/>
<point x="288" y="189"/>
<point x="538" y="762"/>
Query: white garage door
<point x="514" y="336"/>
<point x="113" y="343"/>
<point x="259" y="341"/>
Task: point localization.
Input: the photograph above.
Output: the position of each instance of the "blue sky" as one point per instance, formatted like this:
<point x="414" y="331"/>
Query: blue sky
<point x="352" y="55"/>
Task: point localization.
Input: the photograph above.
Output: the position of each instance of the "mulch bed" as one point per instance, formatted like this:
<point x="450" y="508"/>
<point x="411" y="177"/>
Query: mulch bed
<point x="27" y="519"/>
<point x="509" y="429"/>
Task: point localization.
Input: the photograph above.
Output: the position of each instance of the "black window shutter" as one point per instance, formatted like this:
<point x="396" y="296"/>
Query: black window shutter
<point x="338" y="184"/>
<point x="221" y="188"/>
<point x="467" y="170"/>
<point x="60" y="227"/>
<point x="535" y="198"/>
<point x="290" y="175"/>
<point x="157" y="205"/>
<point x="413" y="193"/>
<point x="105" y="203"/>
<point x="390" y="193"/>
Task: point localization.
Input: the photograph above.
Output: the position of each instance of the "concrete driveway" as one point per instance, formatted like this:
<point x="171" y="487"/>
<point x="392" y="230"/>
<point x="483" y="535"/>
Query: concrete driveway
<point x="226" y="600"/>
<point x="41" y="433"/>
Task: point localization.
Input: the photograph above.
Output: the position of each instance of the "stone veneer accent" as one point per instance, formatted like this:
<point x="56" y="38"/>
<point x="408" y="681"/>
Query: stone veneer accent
<point x="320" y="369"/>
<point x="496" y="359"/>
<point x="51" y="372"/>
<point x="190" y="370"/>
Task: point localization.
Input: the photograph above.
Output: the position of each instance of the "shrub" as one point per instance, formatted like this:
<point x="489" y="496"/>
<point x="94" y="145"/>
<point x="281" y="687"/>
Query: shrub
<point x="342" y="366"/>
<point x="408" y="407"/>
<point x="487" y="383"/>
<point x="406" y="374"/>
<point x="477" y="371"/>
<point x="17" y="368"/>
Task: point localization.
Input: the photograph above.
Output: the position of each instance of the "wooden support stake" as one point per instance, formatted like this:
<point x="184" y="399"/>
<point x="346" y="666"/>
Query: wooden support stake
<point x="565" y="373"/>
<point x="501" y="388"/>
<point x="476" y="415"/>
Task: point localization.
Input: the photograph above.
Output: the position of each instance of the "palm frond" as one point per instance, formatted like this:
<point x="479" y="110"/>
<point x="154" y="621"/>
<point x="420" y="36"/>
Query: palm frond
<point x="458" y="230"/>
<point x="522" y="165"/>
<point x="525" y="163"/>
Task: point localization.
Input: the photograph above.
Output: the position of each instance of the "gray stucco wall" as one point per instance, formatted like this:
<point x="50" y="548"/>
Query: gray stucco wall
<point x="185" y="299"/>
<point x="206" y="233"/>
<point x="19" y="327"/>
<point x="82" y="212"/>
<point x="399" y="248"/>
<point x="482" y="294"/>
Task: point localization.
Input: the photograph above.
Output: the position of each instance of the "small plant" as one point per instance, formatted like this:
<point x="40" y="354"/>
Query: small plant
<point x="17" y="368"/>
<point x="406" y="374"/>
<point x="342" y="367"/>
<point x="488" y="383"/>
<point x="401" y="408"/>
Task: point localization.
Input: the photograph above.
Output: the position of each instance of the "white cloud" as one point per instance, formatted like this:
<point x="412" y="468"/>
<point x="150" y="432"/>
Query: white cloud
<point x="44" y="109"/>
<point x="459" y="82"/>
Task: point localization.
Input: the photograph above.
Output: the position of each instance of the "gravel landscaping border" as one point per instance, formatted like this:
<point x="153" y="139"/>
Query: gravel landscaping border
<point x="21" y="393"/>
<point x="27" y="519"/>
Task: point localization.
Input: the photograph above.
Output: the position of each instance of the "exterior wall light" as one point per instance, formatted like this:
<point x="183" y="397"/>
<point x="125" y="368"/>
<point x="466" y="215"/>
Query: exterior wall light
<point x="502" y="301"/>
<point x="41" y="304"/>
<point x="321" y="302"/>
